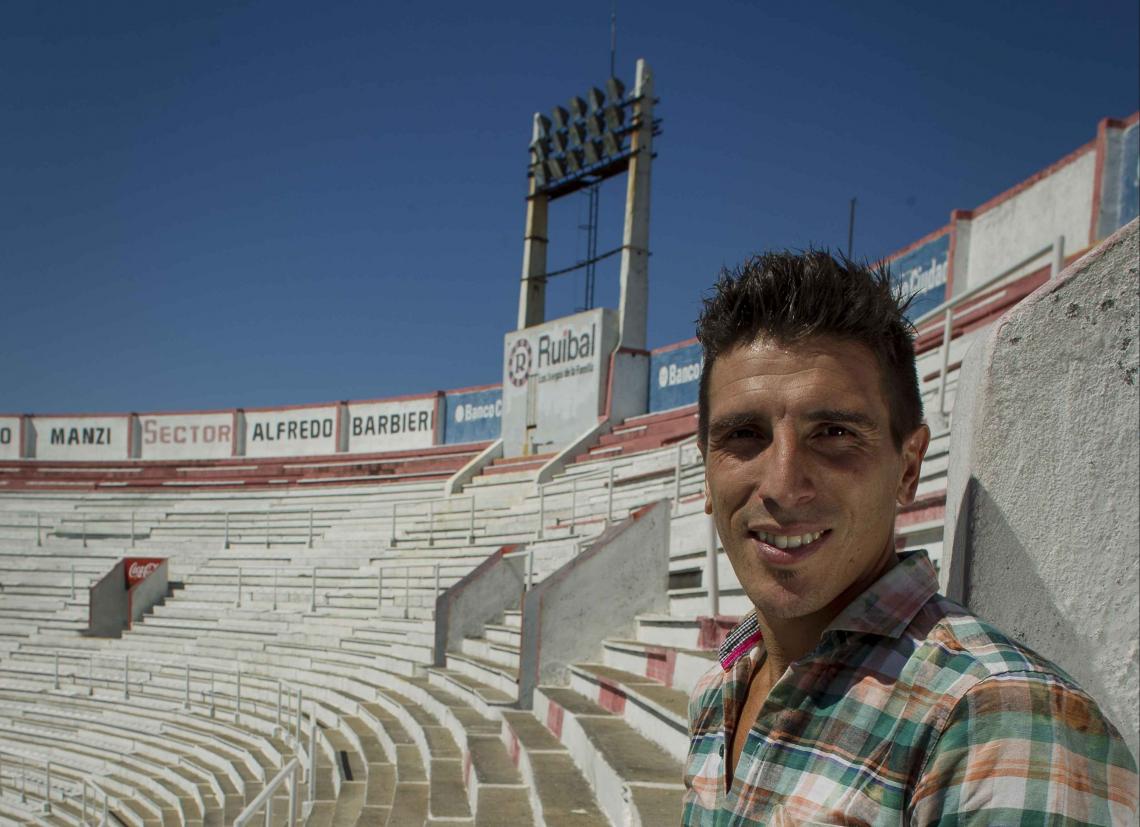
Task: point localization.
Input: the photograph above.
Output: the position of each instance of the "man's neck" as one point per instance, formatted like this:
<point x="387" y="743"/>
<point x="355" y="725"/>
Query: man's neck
<point x="788" y="639"/>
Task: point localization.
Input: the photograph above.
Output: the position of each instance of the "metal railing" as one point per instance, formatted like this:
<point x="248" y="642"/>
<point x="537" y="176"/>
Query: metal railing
<point x="946" y="309"/>
<point x="433" y="509"/>
<point x="289" y="775"/>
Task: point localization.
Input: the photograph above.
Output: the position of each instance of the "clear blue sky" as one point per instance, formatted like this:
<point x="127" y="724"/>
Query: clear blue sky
<point x="239" y="204"/>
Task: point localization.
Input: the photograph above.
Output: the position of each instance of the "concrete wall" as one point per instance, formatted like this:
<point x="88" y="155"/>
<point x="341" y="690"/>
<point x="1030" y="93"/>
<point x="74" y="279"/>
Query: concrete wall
<point x="1016" y="224"/>
<point x="480" y="597"/>
<point x="107" y="604"/>
<point x="596" y="595"/>
<point x="144" y="594"/>
<point x="1042" y="512"/>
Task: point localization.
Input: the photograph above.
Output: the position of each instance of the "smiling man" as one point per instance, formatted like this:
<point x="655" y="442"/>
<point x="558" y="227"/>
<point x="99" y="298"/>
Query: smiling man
<point x="854" y="693"/>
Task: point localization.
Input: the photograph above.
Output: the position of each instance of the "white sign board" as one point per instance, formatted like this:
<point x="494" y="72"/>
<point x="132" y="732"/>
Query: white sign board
<point x="291" y="432"/>
<point x="80" y="437"/>
<point x="374" y="427"/>
<point x="10" y="437"/>
<point x="554" y="380"/>
<point x="186" y="436"/>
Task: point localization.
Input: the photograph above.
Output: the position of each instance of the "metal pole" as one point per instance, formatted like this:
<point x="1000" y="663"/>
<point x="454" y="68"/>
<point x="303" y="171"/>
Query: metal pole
<point x="104" y="821"/>
<point x="407" y="590"/>
<point x="610" y="497"/>
<point x="1058" y="257"/>
<point x="471" y="522"/>
<point x="677" y="480"/>
<point x="57" y="670"/>
<point x="126" y="674"/>
<point x="267" y="528"/>
<point x="239" y="587"/>
<point x="39" y="540"/>
<point x="293" y="799"/>
<point x="73" y="581"/>
<point x="379" y="590"/>
<point x="946" y="330"/>
<point x="83" y="784"/>
<point x="310" y="526"/>
<point x="237" y="695"/>
<point x="436" y="583"/>
<point x="712" y="575"/>
<point x="541" y="510"/>
<point x="297" y="732"/>
<point x="91" y="675"/>
<point x="269" y="812"/>
<point x="186" y="699"/>
<point x="23" y="785"/>
<point x="277" y="720"/>
<point x="431" y="522"/>
<point x="132" y="529"/>
<point x="212" y="707"/>
<point x="312" y="751"/>
<point x="47" y="800"/>
<point x="226" y="536"/>
<point x="84" y="524"/>
<point x="573" y="503"/>
<point x="529" y="568"/>
<point x="313" y="591"/>
<point x="275" y="590"/>
<point x="392" y="536"/>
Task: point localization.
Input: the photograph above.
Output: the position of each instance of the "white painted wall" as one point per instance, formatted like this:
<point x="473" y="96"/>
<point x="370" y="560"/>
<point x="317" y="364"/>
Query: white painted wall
<point x="375" y="427"/>
<point x="186" y="436"/>
<point x="291" y="432"/>
<point x="1042" y="516"/>
<point x="79" y="437"/>
<point x="1060" y="204"/>
<point x="9" y="437"/>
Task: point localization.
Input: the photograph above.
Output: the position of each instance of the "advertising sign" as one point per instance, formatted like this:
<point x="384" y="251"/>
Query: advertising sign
<point x="10" y="437"/>
<point x="186" y="436"/>
<point x="80" y="437"/>
<point x="674" y="376"/>
<point x="472" y="416"/>
<point x="375" y="427"/>
<point x="922" y="272"/>
<point x="554" y="380"/>
<point x="140" y="568"/>
<point x="291" y="432"/>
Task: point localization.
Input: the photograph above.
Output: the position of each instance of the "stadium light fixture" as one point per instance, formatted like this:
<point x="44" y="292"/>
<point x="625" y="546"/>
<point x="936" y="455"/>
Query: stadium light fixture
<point x="596" y="98"/>
<point x="561" y="117"/>
<point x="578" y="108"/>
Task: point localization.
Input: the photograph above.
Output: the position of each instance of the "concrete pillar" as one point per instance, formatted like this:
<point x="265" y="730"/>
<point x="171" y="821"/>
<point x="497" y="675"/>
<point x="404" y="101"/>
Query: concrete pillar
<point x="633" y="307"/>
<point x="532" y="290"/>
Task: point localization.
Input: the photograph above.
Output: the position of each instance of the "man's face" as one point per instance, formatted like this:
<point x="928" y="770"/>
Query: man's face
<point x="801" y="474"/>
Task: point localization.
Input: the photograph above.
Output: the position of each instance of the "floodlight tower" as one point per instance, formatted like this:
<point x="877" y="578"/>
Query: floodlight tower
<point x="579" y="146"/>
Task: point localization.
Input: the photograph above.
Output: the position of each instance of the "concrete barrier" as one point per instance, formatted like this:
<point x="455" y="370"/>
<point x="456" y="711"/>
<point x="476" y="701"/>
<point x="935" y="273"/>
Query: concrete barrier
<point x="596" y="595"/>
<point x="1042" y="518"/>
<point x="124" y="595"/>
<point x="481" y="596"/>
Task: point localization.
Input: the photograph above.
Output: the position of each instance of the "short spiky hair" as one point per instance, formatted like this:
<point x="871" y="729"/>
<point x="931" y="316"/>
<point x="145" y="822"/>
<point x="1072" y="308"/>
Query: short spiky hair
<point x="791" y="297"/>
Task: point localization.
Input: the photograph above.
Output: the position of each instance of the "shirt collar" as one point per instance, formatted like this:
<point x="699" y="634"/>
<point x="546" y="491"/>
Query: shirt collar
<point x="886" y="608"/>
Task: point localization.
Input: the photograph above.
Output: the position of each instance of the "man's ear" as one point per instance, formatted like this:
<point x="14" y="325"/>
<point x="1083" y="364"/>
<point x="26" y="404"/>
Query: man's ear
<point x="913" y="450"/>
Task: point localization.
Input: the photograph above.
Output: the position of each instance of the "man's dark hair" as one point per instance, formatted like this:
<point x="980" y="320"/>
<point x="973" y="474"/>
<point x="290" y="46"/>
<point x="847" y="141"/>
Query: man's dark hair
<point x="790" y="297"/>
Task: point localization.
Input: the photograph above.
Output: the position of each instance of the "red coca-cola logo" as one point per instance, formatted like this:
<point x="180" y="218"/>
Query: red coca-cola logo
<point x="140" y="568"/>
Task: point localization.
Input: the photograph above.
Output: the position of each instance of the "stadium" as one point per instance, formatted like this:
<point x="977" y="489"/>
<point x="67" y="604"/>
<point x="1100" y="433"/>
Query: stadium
<point x="487" y="605"/>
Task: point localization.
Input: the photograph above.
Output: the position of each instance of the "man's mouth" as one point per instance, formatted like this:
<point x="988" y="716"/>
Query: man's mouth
<point x="785" y="541"/>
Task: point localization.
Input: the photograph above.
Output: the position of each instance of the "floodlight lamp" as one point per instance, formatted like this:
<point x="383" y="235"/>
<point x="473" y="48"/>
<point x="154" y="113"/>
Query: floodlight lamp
<point x="539" y="175"/>
<point x="592" y="152"/>
<point x="576" y="133"/>
<point x="615" y="117"/>
<point x="558" y="141"/>
<point x="595" y="125"/>
<point x="596" y="98"/>
<point x="543" y="123"/>
<point x="561" y="117"/>
<point x="577" y="107"/>
<point x="555" y="168"/>
<point x="616" y="90"/>
<point x="612" y="144"/>
<point x="573" y="160"/>
<point x="541" y="149"/>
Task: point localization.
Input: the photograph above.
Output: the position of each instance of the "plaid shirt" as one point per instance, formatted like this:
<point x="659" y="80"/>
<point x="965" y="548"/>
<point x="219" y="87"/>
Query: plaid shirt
<point x="910" y="711"/>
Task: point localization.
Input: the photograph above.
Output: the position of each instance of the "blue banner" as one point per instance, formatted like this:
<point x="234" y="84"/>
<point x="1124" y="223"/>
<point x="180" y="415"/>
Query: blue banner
<point x="922" y="273"/>
<point x="472" y="416"/>
<point x="674" y="377"/>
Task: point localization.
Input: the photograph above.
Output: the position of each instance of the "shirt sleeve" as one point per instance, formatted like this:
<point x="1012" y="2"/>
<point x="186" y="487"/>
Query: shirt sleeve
<point x="1026" y="748"/>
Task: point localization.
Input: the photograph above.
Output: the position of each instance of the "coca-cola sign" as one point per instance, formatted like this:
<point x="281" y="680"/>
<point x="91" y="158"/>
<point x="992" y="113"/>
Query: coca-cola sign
<point x="140" y="568"/>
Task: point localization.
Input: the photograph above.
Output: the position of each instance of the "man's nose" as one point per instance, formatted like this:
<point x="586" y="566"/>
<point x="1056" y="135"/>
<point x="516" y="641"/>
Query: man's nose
<point x="784" y="477"/>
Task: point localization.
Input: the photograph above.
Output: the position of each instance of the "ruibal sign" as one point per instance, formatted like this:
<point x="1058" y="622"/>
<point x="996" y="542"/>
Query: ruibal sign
<point x="554" y="380"/>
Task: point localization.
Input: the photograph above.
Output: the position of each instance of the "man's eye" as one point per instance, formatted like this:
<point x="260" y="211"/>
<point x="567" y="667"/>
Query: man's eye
<point x="836" y="431"/>
<point x="743" y="433"/>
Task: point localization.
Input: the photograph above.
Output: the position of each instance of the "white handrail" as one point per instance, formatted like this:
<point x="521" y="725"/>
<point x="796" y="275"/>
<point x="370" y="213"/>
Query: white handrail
<point x="286" y="773"/>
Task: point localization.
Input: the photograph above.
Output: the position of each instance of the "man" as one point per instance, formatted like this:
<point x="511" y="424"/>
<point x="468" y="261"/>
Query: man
<point x="854" y="693"/>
